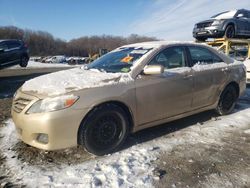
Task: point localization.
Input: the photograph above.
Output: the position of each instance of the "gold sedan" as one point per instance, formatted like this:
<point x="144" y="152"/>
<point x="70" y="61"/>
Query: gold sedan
<point x="131" y="88"/>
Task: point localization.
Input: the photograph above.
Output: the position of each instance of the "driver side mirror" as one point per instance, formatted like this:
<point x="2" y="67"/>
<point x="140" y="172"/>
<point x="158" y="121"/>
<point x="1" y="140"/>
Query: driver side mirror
<point x="153" y="69"/>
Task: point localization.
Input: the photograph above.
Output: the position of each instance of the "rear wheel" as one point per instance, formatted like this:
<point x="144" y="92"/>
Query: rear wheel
<point x="24" y="61"/>
<point x="104" y="129"/>
<point x="227" y="100"/>
<point x="229" y="32"/>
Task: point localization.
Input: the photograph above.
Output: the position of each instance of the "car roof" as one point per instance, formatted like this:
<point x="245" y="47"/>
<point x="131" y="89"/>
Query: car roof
<point x="4" y="40"/>
<point x="158" y="44"/>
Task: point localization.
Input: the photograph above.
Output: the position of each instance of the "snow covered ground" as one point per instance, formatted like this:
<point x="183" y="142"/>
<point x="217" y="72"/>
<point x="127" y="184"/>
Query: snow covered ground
<point x="134" y="166"/>
<point x="34" y="64"/>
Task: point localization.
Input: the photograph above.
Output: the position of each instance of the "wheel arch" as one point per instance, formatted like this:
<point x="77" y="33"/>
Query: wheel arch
<point x="235" y="85"/>
<point x="230" y="23"/>
<point x="25" y="55"/>
<point x="125" y="107"/>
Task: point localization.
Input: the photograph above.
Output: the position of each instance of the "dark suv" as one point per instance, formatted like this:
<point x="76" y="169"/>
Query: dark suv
<point x="229" y="24"/>
<point x="13" y="52"/>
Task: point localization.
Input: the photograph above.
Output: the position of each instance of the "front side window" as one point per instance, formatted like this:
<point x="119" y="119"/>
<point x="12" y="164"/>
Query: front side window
<point x="203" y="56"/>
<point x="120" y="60"/>
<point x="3" y="46"/>
<point x="172" y="57"/>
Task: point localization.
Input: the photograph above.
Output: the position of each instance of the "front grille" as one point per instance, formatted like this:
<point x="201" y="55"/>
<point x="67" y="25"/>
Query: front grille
<point x="20" y="103"/>
<point x="204" y="24"/>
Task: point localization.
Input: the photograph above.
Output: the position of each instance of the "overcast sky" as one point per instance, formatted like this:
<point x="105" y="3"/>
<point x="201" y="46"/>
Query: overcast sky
<point x="68" y="19"/>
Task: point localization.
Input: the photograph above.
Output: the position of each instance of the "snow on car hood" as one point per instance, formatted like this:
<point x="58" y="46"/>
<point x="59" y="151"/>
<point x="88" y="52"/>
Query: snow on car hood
<point x="74" y="79"/>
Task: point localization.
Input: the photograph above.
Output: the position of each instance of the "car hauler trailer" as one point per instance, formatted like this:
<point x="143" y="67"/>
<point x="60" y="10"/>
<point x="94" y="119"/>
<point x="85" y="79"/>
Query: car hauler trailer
<point x="232" y="47"/>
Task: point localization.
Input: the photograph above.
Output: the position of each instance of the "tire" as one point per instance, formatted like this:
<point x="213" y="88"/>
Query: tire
<point x="24" y="61"/>
<point x="104" y="130"/>
<point x="227" y="100"/>
<point x="229" y="32"/>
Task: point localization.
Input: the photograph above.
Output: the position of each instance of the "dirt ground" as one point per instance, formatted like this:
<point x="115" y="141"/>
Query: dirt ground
<point x="204" y="165"/>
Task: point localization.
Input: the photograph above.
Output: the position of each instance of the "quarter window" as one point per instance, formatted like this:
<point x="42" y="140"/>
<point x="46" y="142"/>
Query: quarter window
<point x="169" y="58"/>
<point x="203" y="56"/>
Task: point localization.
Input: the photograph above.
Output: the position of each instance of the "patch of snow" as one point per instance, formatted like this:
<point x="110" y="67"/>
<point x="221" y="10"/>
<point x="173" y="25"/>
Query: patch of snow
<point x="247" y="131"/>
<point x="34" y="64"/>
<point x="247" y="64"/>
<point x="73" y="79"/>
<point x="203" y="66"/>
<point x="130" y="168"/>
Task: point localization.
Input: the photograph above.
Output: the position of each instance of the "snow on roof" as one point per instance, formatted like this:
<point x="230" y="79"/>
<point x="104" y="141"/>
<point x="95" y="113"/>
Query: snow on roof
<point x="157" y="44"/>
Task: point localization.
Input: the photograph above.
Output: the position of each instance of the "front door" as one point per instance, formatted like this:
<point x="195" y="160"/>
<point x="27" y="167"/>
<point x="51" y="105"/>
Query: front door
<point x="168" y="94"/>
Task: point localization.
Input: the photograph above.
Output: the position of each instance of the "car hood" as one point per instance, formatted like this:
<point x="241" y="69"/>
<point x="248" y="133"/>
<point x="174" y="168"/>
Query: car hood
<point x="71" y="80"/>
<point x="209" y="20"/>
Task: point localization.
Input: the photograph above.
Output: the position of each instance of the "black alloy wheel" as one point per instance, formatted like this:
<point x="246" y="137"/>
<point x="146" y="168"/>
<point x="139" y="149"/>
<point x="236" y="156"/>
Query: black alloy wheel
<point x="227" y="100"/>
<point x="104" y="129"/>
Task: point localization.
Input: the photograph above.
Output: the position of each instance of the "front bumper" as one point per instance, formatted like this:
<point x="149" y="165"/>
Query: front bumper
<point x="212" y="31"/>
<point x="61" y="127"/>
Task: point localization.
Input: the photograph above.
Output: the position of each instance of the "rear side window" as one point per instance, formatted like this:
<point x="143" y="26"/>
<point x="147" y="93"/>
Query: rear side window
<point x="14" y="44"/>
<point x="201" y="55"/>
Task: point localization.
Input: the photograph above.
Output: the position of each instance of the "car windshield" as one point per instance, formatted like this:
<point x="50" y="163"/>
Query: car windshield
<point x="225" y="15"/>
<point x="119" y="60"/>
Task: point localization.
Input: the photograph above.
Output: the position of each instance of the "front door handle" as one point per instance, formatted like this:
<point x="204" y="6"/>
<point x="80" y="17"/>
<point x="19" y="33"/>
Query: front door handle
<point x="188" y="77"/>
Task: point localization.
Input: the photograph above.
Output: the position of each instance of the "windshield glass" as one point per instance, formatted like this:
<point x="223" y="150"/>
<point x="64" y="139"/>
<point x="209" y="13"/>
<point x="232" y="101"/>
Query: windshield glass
<point x="120" y="60"/>
<point x="225" y="15"/>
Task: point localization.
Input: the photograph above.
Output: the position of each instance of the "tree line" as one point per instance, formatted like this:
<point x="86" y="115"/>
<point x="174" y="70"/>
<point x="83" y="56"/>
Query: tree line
<point x="42" y="43"/>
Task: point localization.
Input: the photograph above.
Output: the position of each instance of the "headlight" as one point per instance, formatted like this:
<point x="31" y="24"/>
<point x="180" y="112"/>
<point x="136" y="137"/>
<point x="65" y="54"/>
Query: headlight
<point x="53" y="104"/>
<point x="217" y="22"/>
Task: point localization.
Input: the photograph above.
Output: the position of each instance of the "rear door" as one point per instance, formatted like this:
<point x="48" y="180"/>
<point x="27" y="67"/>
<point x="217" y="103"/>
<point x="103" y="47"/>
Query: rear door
<point x="242" y="22"/>
<point x="168" y="94"/>
<point x="209" y="72"/>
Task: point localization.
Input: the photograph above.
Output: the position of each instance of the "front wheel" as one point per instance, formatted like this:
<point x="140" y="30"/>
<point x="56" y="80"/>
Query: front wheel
<point x="229" y="32"/>
<point x="104" y="129"/>
<point x="24" y="61"/>
<point x="227" y="100"/>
